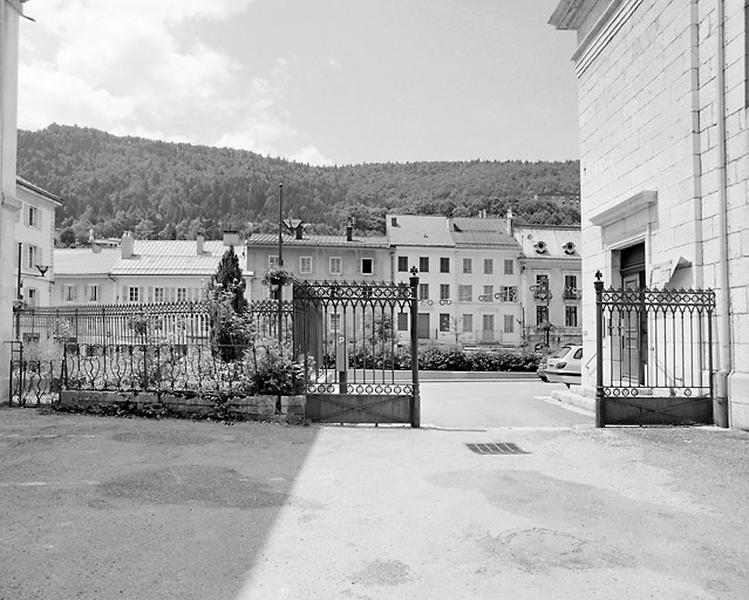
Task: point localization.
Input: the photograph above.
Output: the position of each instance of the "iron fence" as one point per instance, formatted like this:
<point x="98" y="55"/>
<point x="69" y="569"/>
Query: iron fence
<point x="358" y="334"/>
<point x="174" y="323"/>
<point x="654" y="344"/>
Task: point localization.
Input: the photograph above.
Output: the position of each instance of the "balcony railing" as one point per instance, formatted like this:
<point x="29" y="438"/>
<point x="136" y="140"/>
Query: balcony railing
<point x="572" y="293"/>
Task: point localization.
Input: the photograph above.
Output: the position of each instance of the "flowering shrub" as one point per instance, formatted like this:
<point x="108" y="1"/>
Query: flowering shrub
<point x="272" y="369"/>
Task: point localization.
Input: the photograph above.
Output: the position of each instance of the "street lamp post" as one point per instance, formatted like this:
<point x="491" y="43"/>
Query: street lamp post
<point x="279" y="290"/>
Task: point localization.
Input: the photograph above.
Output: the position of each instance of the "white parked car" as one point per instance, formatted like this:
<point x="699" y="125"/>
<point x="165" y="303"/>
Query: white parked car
<point x="565" y="366"/>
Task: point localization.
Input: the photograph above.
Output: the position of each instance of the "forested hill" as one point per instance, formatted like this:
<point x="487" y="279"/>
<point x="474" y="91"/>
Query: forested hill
<point x="168" y="190"/>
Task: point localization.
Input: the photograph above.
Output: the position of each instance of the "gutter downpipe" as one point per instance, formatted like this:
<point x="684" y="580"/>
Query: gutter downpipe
<point x="720" y="401"/>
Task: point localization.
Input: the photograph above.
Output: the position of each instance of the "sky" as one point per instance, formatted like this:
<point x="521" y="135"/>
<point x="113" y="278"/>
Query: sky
<point x="317" y="81"/>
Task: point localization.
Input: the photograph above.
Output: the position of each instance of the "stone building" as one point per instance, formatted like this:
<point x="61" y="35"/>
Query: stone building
<point x="665" y="161"/>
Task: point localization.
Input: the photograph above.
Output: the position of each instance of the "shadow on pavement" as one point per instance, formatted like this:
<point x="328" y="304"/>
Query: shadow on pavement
<point x="97" y="507"/>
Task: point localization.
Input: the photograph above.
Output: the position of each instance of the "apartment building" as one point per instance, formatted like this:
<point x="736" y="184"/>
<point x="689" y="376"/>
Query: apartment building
<point x="34" y="235"/>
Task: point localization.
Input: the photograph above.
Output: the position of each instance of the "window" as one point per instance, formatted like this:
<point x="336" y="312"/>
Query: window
<point x="509" y="267"/>
<point x="467" y="265"/>
<point x="335" y="265"/>
<point x="488" y="266"/>
<point x="508" y="293"/>
<point x="32" y="296"/>
<point x="403" y="264"/>
<point x="367" y="266"/>
<point x="570" y="287"/>
<point x="335" y="321"/>
<point x="542" y="315"/>
<point x="444" y="291"/>
<point x="444" y="264"/>
<point x="69" y="293"/>
<point x="467" y="323"/>
<point x="509" y="324"/>
<point x="423" y="291"/>
<point x="465" y="293"/>
<point x="93" y="292"/>
<point x="488" y="293"/>
<point x="133" y="294"/>
<point x="402" y="321"/>
<point x="444" y="322"/>
<point x="542" y="280"/>
<point x="424" y="264"/>
<point x="158" y="294"/>
<point x="305" y="265"/>
<point x="181" y="294"/>
<point x="570" y="316"/>
<point x="273" y="262"/>
<point x="32" y="256"/>
<point x="32" y="217"/>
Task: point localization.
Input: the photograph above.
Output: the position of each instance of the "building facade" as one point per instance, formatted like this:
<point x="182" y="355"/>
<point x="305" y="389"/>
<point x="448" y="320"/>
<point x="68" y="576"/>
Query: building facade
<point x="549" y="288"/>
<point x="316" y="258"/>
<point x="34" y="233"/>
<point x="665" y="163"/>
<point x="476" y="276"/>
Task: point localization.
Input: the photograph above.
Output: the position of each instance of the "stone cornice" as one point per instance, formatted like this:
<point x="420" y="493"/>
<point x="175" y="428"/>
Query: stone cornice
<point x="624" y="208"/>
<point x="602" y="32"/>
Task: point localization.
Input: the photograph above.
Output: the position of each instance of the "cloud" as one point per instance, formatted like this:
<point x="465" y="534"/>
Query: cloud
<point x="123" y="67"/>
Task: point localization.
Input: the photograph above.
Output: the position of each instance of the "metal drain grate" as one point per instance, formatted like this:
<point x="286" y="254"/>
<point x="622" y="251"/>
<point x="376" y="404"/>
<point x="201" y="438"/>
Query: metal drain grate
<point x="496" y="448"/>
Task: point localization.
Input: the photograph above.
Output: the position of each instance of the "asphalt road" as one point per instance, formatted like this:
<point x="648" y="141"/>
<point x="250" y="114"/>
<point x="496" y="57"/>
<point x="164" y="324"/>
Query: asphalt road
<point x="96" y="508"/>
<point x="487" y="404"/>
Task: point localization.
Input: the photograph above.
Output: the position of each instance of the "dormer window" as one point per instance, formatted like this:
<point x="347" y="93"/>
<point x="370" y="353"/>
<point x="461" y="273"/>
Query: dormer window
<point x="540" y="247"/>
<point x="569" y="248"/>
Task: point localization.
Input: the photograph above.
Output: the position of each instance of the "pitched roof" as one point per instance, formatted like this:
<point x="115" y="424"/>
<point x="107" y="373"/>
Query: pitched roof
<point x="555" y="241"/>
<point x="271" y="239"/>
<point x="481" y="232"/>
<point x="38" y="190"/>
<point x="173" y="257"/>
<point x="418" y="230"/>
<point x="84" y="261"/>
<point x="150" y="257"/>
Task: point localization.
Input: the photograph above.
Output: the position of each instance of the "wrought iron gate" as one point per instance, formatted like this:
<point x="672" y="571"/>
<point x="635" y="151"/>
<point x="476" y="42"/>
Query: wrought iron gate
<point x="363" y="340"/>
<point x="654" y="355"/>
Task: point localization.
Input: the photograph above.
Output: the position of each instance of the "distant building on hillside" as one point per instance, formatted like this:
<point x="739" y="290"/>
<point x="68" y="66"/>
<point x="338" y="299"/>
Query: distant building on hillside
<point x="560" y="198"/>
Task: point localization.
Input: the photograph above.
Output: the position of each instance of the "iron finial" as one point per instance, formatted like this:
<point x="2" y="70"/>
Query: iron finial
<point x="599" y="275"/>
<point x="414" y="271"/>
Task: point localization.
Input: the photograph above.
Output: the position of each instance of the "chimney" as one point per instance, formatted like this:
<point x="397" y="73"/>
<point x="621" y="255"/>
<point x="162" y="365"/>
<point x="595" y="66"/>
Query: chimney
<point x="349" y="232"/>
<point x="199" y="241"/>
<point x="126" y="245"/>
<point x="299" y="231"/>
<point x="231" y="237"/>
<point x="508" y="222"/>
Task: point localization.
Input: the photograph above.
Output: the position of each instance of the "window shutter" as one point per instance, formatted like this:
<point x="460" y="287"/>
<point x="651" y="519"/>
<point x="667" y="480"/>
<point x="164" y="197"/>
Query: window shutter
<point x="150" y="294"/>
<point x="26" y="214"/>
<point x="124" y="297"/>
<point x="75" y="294"/>
<point x="24" y="256"/>
<point x="172" y="293"/>
<point x="140" y="294"/>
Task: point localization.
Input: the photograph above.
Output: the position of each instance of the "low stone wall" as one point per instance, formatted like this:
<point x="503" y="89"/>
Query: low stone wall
<point x="205" y="406"/>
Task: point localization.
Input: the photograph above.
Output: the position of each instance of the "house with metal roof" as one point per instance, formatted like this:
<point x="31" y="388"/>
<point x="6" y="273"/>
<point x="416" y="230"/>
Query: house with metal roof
<point x="140" y="271"/>
<point x="316" y="258"/>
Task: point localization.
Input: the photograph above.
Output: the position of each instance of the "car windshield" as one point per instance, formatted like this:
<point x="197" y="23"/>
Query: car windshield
<point x="561" y="352"/>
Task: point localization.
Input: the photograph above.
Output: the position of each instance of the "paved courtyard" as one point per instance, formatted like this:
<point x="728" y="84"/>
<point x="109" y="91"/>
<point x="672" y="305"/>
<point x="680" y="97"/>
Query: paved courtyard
<point x="127" y="508"/>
